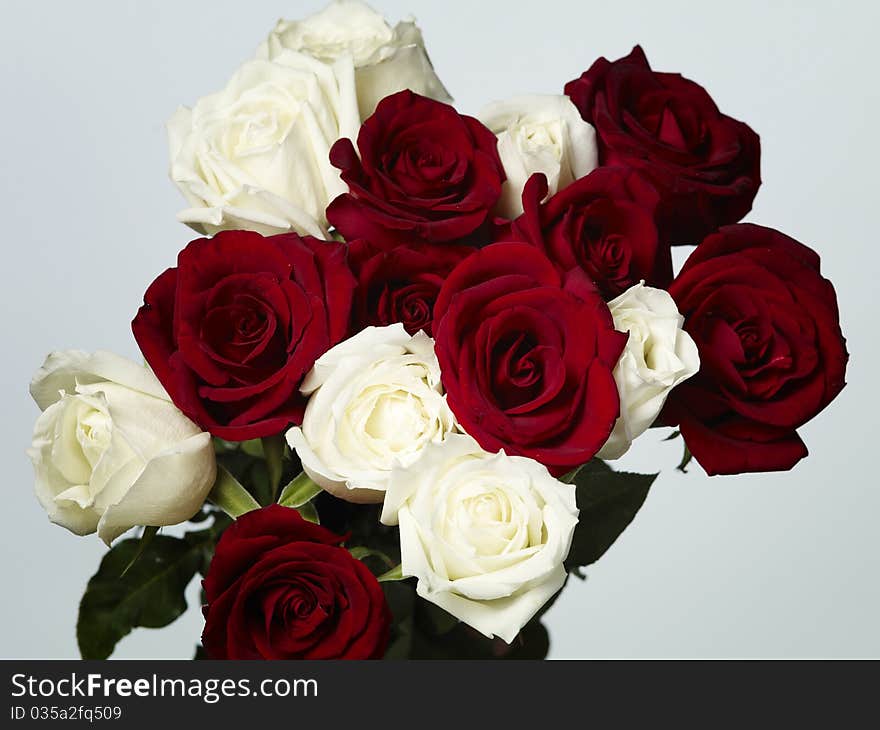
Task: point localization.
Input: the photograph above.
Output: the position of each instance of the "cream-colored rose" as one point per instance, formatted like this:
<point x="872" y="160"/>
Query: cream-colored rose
<point x="375" y="402"/>
<point x="255" y="156"/>
<point x="542" y="133"/>
<point x="111" y="451"/>
<point x="485" y="534"/>
<point x="386" y="60"/>
<point x="659" y="355"/>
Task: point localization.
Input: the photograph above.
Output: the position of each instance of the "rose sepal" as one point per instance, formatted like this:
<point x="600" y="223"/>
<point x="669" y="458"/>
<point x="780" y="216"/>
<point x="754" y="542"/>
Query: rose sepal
<point x="229" y="495"/>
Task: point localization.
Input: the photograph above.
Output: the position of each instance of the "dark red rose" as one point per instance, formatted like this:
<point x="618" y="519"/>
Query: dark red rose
<point x="280" y="587"/>
<point x="233" y="329"/>
<point x="771" y="351"/>
<point x="400" y="285"/>
<point x="705" y="164"/>
<point x="602" y="224"/>
<point x="425" y="173"/>
<point x="526" y="355"/>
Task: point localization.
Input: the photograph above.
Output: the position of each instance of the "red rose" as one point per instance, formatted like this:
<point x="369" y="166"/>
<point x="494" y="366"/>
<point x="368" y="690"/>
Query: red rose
<point x="602" y="224"/>
<point x="233" y="329"/>
<point x="425" y="173"/>
<point x="771" y="352"/>
<point x="400" y="285"/>
<point x="280" y="587"/>
<point x="526" y="356"/>
<point x="705" y="164"/>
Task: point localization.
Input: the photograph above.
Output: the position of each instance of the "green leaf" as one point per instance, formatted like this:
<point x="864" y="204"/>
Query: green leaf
<point x="592" y="466"/>
<point x="421" y="630"/>
<point x="608" y="501"/>
<point x="146" y="538"/>
<point x="150" y="594"/>
<point x="300" y="490"/>
<point x="438" y="620"/>
<point x="463" y="642"/>
<point x="207" y="540"/>
<point x="674" y="435"/>
<point x="401" y="598"/>
<point x="533" y="642"/>
<point x="395" y="573"/>
<point x="273" y="448"/>
<point x="361" y="523"/>
<point x="230" y="496"/>
<point x="309" y="512"/>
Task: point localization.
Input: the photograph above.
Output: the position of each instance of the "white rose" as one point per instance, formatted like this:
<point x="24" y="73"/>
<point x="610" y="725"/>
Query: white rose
<point x="542" y="133"/>
<point x="386" y="60"/>
<point x="110" y="450"/>
<point x="485" y="534"/>
<point x="659" y="355"/>
<point x="255" y="156"/>
<point x="375" y="401"/>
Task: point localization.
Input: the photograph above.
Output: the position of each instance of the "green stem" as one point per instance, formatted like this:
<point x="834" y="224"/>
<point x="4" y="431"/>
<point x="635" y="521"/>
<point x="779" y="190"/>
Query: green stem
<point x="273" y="449"/>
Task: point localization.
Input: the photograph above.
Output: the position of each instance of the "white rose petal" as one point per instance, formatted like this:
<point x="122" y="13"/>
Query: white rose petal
<point x="375" y="401"/>
<point x="542" y="133"/>
<point x="658" y="356"/>
<point x="485" y="534"/>
<point x="110" y="450"/>
<point x="255" y="156"/>
<point x="385" y="59"/>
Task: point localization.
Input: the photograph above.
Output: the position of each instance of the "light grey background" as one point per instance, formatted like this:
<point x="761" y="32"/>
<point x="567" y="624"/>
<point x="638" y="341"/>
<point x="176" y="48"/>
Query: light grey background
<point x="781" y="565"/>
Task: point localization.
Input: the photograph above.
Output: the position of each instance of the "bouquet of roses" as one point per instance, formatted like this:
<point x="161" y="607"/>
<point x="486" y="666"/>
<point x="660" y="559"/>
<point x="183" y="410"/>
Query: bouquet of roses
<point x="384" y="385"/>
